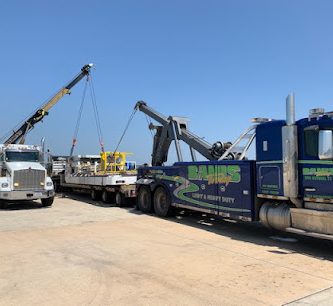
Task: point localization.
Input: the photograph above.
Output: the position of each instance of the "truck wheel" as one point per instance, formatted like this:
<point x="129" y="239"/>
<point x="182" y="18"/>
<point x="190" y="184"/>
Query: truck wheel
<point x="162" y="202"/>
<point x="106" y="196"/>
<point x="95" y="195"/>
<point x="120" y="199"/>
<point x="144" y="200"/>
<point x="47" y="202"/>
<point x="3" y="205"/>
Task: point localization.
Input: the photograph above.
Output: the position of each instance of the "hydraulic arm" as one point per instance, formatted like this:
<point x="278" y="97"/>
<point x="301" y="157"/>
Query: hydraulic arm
<point x="18" y="136"/>
<point x="175" y="128"/>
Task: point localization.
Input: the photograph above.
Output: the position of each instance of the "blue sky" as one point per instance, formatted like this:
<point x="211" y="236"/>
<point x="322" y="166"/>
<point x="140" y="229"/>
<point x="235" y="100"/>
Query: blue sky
<point x="219" y="63"/>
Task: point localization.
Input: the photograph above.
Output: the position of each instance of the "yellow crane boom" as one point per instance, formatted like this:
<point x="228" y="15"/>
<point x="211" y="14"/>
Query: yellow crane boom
<point x="18" y="136"/>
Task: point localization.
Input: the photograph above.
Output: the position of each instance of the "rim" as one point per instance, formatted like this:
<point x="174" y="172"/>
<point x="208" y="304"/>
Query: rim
<point x="118" y="198"/>
<point x="104" y="196"/>
<point x="161" y="200"/>
<point x="143" y="198"/>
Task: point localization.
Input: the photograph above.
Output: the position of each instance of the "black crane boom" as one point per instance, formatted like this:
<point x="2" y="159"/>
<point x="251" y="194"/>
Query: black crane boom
<point x="174" y="128"/>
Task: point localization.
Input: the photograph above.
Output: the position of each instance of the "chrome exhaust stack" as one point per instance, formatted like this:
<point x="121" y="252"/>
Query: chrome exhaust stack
<point x="290" y="153"/>
<point x="277" y="215"/>
<point x="290" y="109"/>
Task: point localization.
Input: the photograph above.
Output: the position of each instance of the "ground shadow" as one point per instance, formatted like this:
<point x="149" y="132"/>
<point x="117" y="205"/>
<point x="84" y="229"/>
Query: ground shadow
<point x="21" y="205"/>
<point x="255" y="233"/>
<point x="85" y="198"/>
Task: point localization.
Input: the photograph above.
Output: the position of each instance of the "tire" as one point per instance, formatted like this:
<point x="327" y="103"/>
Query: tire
<point x="47" y="202"/>
<point x="106" y="196"/>
<point x="3" y="204"/>
<point x="162" y="202"/>
<point x="119" y="199"/>
<point x="144" y="200"/>
<point x="95" y="195"/>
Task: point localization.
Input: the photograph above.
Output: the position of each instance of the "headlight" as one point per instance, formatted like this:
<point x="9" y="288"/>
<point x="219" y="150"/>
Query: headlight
<point x="16" y="184"/>
<point x="49" y="184"/>
<point x="4" y="185"/>
<point x="42" y="183"/>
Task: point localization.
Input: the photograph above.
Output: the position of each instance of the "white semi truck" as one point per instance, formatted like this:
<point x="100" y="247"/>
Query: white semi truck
<point x="22" y="176"/>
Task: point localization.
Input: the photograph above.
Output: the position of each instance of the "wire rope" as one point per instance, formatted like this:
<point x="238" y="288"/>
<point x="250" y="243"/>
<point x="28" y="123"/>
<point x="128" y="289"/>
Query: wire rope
<point x="96" y="114"/>
<point x="78" y="121"/>
<point x="125" y="130"/>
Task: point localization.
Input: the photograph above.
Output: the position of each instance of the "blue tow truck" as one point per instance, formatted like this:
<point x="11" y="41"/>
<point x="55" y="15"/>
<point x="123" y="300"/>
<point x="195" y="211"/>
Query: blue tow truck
<point x="288" y="187"/>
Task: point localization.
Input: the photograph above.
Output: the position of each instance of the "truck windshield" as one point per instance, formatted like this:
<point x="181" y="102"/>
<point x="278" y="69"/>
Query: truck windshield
<point x="31" y="156"/>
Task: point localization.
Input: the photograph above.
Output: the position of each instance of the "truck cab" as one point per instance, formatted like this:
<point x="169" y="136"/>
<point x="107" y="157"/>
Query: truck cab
<point x="22" y="176"/>
<point x="316" y="160"/>
<point x="295" y="165"/>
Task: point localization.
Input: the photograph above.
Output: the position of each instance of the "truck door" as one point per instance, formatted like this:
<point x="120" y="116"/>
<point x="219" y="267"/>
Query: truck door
<point x="270" y="178"/>
<point x="316" y="162"/>
<point x="269" y="159"/>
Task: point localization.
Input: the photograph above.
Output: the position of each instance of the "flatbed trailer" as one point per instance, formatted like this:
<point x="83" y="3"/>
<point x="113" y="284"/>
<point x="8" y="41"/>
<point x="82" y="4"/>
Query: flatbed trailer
<point x="111" y="182"/>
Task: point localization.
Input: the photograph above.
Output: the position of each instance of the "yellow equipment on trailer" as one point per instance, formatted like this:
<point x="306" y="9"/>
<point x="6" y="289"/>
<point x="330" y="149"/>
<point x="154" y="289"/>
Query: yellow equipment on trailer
<point x="116" y="162"/>
<point x="108" y="176"/>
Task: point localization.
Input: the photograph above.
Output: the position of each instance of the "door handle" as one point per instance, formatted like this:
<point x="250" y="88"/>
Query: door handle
<point x="310" y="189"/>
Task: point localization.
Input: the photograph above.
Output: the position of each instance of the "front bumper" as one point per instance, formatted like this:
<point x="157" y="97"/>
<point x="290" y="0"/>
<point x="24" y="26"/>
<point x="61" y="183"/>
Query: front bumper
<point x="26" y="195"/>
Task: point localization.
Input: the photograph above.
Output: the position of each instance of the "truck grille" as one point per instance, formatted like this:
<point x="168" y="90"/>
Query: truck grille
<point x="28" y="179"/>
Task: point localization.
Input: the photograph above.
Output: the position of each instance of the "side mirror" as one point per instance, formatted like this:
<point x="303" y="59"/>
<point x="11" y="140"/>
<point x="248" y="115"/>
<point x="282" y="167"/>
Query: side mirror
<point x="325" y="145"/>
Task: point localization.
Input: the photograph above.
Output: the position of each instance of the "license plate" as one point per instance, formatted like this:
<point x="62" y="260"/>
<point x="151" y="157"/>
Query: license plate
<point x="38" y="194"/>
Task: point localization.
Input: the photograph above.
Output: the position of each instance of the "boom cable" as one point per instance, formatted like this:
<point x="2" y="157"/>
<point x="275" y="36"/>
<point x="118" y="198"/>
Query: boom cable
<point x="126" y="128"/>
<point x="149" y="122"/>
<point x="122" y="136"/>
<point x="96" y="114"/>
<point x="77" y="126"/>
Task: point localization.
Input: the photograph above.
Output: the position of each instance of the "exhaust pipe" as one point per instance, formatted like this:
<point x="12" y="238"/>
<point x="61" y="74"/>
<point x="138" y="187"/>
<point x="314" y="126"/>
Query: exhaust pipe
<point x="290" y="109"/>
<point x="290" y="153"/>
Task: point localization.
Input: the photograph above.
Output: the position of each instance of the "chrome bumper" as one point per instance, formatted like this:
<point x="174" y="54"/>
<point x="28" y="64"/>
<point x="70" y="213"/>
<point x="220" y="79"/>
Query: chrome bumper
<point x="26" y="195"/>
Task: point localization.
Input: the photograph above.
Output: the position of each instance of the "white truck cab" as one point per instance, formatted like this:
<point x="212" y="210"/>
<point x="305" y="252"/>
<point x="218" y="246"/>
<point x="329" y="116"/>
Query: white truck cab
<point x="22" y="176"/>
